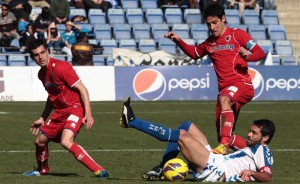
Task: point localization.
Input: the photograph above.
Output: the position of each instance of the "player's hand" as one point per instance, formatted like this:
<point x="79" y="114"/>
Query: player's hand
<point x="88" y="120"/>
<point x="35" y="126"/>
<point x="243" y="53"/>
<point x="172" y="36"/>
<point x="245" y="175"/>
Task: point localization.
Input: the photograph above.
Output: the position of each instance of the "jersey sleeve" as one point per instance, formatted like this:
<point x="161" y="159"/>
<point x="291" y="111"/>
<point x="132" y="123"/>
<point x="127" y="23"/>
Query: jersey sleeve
<point x="244" y="39"/>
<point x="201" y="49"/>
<point x="264" y="159"/>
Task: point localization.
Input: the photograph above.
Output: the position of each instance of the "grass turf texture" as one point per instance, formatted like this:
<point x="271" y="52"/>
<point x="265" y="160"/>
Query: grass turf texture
<point x="127" y="153"/>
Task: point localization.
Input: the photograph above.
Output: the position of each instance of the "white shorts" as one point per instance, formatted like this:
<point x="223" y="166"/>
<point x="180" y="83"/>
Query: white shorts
<point x="213" y="171"/>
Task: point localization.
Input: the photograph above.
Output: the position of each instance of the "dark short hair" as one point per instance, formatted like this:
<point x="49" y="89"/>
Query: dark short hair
<point x="267" y="127"/>
<point x="214" y="10"/>
<point x="5" y="5"/>
<point x="35" y="44"/>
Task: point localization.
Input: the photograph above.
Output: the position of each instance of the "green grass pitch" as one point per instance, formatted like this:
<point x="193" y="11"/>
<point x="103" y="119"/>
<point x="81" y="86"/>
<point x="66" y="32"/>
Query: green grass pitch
<point x="127" y="153"/>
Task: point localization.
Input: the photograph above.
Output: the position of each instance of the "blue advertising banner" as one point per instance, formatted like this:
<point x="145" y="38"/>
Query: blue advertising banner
<point x="200" y="83"/>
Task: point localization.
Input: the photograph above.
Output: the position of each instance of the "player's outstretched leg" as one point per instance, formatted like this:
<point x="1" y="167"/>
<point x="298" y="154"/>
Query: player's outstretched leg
<point x="158" y="131"/>
<point x="127" y="113"/>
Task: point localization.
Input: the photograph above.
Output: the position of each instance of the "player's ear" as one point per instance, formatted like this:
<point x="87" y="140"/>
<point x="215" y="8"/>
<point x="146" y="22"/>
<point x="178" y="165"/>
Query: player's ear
<point x="223" y="18"/>
<point x="265" y="138"/>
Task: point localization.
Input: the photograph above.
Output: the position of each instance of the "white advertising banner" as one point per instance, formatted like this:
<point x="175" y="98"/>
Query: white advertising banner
<point x="128" y="57"/>
<point x="22" y="83"/>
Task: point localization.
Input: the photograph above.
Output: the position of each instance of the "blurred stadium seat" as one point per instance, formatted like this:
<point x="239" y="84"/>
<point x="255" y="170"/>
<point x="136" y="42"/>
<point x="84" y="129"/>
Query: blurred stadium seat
<point x="257" y="32"/>
<point x="167" y="45"/>
<point x="289" y="60"/>
<point x="158" y="31"/>
<point x="192" y="16"/>
<point x="283" y="47"/>
<point x="16" y="60"/>
<point x="173" y="16"/>
<point x="127" y="44"/>
<point x="269" y="17"/>
<point x="232" y="16"/>
<point x="182" y="30"/>
<point x="96" y="16"/>
<point x="141" y="31"/>
<point x="134" y="16"/>
<point x="250" y="17"/>
<point x="115" y="16"/>
<point x="77" y="11"/>
<point x="276" y="60"/>
<point x="108" y="46"/>
<point x="154" y="16"/>
<point x="102" y="31"/>
<point x="130" y="4"/>
<point x="147" y="45"/>
<point x="122" y="31"/>
<point x="109" y="61"/>
<point x="98" y="60"/>
<point x="3" y="60"/>
<point x="276" y="32"/>
<point x="199" y="31"/>
<point x="146" y="4"/>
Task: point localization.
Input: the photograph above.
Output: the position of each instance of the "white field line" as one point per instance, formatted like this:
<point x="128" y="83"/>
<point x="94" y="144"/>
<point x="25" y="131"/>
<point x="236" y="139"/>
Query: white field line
<point x="125" y="150"/>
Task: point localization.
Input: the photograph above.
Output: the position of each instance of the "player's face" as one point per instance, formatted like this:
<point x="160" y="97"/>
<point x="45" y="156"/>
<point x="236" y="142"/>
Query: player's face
<point x="215" y="25"/>
<point x="41" y="56"/>
<point x="254" y="136"/>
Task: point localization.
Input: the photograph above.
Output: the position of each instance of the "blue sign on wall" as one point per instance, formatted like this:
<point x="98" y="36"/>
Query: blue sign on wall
<point x="200" y="83"/>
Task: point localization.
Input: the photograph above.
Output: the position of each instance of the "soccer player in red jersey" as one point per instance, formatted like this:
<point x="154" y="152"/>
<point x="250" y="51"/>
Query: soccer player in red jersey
<point x="228" y="49"/>
<point x="69" y="100"/>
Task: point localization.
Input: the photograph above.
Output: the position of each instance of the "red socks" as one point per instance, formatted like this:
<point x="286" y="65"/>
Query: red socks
<point x="227" y="121"/>
<point x="237" y="142"/>
<point x="82" y="156"/>
<point x="42" y="159"/>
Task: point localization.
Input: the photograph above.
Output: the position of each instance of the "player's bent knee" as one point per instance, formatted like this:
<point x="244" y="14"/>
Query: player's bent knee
<point x="66" y="143"/>
<point x="184" y="136"/>
<point x="39" y="144"/>
<point x="185" y="125"/>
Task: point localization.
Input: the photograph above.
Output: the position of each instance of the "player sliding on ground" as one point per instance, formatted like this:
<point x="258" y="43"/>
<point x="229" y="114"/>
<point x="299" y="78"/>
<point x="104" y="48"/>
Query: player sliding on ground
<point x="252" y="163"/>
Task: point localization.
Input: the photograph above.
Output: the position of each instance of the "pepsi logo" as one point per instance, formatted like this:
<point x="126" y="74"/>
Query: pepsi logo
<point x="257" y="81"/>
<point x="149" y="84"/>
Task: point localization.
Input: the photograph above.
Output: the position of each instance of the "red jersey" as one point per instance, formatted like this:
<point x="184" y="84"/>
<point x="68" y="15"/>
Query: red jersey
<point x="58" y="80"/>
<point x="224" y="53"/>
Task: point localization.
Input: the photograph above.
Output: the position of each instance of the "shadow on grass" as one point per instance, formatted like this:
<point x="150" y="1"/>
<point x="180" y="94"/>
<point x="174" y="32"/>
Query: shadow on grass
<point x="51" y="174"/>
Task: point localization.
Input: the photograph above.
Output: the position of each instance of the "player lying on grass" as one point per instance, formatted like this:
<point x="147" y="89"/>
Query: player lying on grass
<point x="252" y="163"/>
<point x="69" y="100"/>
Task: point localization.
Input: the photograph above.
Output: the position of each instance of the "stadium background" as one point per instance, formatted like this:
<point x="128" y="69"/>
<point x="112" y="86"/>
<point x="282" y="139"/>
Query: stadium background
<point x="119" y="150"/>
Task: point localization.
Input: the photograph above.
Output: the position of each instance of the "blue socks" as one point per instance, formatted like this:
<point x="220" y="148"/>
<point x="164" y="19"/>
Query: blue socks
<point x="163" y="134"/>
<point x="156" y="130"/>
